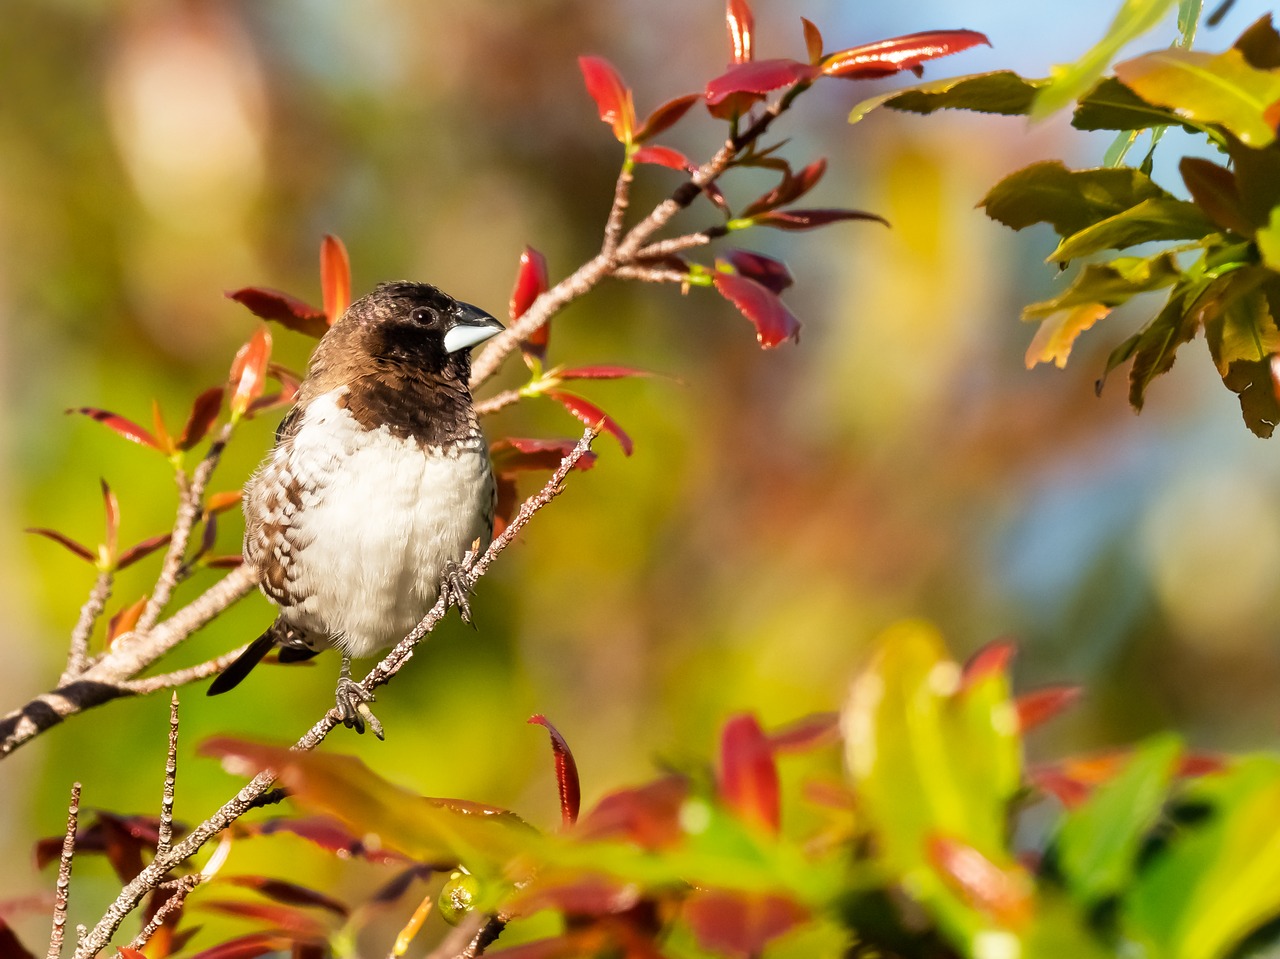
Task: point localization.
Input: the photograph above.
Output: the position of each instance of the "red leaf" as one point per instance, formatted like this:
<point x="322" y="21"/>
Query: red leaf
<point x="295" y="922"/>
<point x="221" y="502"/>
<point x="747" y="779"/>
<point x="576" y="894"/>
<point x="792" y="187"/>
<point x="885" y="57"/>
<point x="611" y="94"/>
<point x="289" y="311"/>
<point x="662" y="156"/>
<point x="62" y="540"/>
<point x="163" y="439"/>
<point x="126" y="428"/>
<point x="10" y="946"/>
<point x="774" y="323"/>
<point x="288" y="893"/>
<point x="666" y="116"/>
<point x="600" y="372"/>
<point x="531" y="282"/>
<point x="111" y="509"/>
<point x="1042" y="705"/>
<point x="516" y="453"/>
<point x="811" y="219"/>
<point x="248" y="947"/>
<point x="566" y="772"/>
<point x="741" y="24"/>
<point x="1003" y="894"/>
<point x="335" y="277"/>
<point x="329" y="835"/>
<point x="203" y="414"/>
<point x="249" y="371"/>
<point x="759" y="77"/>
<point x="772" y="274"/>
<point x="140" y="550"/>
<point x="716" y="196"/>
<point x="506" y="500"/>
<point x="740" y="923"/>
<point x="124" y="621"/>
<point x="648" y="816"/>
<point x="591" y="415"/>
<point x="811" y="732"/>
<point x="993" y="658"/>
<point x="127" y="953"/>
<point x="225" y="562"/>
<point x="812" y="41"/>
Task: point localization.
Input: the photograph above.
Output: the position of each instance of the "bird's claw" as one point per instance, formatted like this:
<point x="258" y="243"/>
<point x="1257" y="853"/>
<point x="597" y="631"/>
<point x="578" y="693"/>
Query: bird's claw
<point x="353" y="706"/>
<point x="456" y="586"/>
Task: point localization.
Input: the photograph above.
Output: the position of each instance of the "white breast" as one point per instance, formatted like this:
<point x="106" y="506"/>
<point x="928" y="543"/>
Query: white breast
<point x="385" y="517"/>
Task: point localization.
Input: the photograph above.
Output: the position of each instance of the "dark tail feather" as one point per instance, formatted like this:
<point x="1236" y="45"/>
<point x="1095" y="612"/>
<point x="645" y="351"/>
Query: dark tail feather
<point x="233" y="674"/>
<point x="297" y="654"/>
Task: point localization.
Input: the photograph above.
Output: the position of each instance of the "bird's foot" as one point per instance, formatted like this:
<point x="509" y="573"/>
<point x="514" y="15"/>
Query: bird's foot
<point x="353" y="703"/>
<point x="455" y="585"/>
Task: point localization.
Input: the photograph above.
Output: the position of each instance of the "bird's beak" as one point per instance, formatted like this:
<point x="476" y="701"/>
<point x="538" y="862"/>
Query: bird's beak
<point x="471" y="326"/>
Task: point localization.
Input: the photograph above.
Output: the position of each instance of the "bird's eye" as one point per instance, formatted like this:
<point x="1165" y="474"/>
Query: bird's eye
<point x="421" y="315"/>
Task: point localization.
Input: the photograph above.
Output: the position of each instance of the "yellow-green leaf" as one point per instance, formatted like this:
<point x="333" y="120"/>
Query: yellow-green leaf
<point x="1057" y="334"/>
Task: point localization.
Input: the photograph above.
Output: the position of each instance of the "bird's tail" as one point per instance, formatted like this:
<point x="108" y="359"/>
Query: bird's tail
<point x="238" y="670"/>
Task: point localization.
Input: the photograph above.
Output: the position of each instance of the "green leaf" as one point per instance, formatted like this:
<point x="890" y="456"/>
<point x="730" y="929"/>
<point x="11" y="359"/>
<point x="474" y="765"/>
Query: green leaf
<point x="1243" y="340"/>
<point x="1159" y="218"/>
<point x="1268" y="240"/>
<point x="1188" y="20"/>
<point x="1098" y="841"/>
<point x="1110" y="283"/>
<point x="1157" y="344"/>
<point x="1002" y="92"/>
<point x="1113" y="106"/>
<point x="1218" y="880"/>
<point x="1069" y="200"/>
<point x="1213" y="188"/>
<point x="1209" y="88"/>
<point x="1070" y="81"/>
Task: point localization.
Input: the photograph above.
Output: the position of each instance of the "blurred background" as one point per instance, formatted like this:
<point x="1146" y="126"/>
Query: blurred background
<point x="781" y="508"/>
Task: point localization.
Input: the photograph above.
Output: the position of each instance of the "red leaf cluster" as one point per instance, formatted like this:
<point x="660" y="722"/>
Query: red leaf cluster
<point x="295" y="314"/>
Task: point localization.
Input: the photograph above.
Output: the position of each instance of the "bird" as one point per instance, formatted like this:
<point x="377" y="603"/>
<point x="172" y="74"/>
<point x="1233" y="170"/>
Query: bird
<point x="378" y="485"/>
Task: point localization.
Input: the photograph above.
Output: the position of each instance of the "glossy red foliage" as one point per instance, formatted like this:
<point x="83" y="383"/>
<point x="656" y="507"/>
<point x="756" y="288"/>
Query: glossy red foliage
<point x="591" y="415"/>
<point x="204" y="412"/>
<point x="611" y="94"/>
<point x="662" y="156"/>
<point x="125" y="619"/>
<point x="992" y="659"/>
<point x="285" y="919"/>
<point x="141" y="550"/>
<point x="248" y="947"/>
<point x="648" y="815"/>
<point x="747" y="776"/>
<point x="518" y="453"/>
<point x="249" y="371"/>
<point x="792" y="187"/>
<point x="812" y="40"/>
<point x="531" y="282"/>
<point x="741" y="24"/>
<point x="600" y="371"/>
<point x="665" y="116"/>
<point x="1038" y="707"/>
<point x="885" y="57"/>
<point x="111" y="510"/>
<point x="811" y="219"/>
<point x="566" y="772"/>
<point x="772" y="274"/>
<point x="335" y="277"/>
<point x="1000" y="893"/>
<point x="63" y="540"/>
<point x="289" y="311"/>
<point x="118" y="424"/>
<point x="759" y="77"/>
<point x="740" y="924"/>
<point x="329" y="835"/>
<point x="288" y="893"/>
<point x="774" y="323"/>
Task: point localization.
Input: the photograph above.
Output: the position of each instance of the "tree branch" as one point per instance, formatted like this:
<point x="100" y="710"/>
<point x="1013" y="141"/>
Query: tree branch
<point x="64" y="875"/>
<point x="78" y="654"/>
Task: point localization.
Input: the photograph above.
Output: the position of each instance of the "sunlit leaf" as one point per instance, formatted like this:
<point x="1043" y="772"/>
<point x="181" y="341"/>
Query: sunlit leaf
<point x="759" y="77"/>
<point x="1001" y="92"/>
<point x="1158" y="343"/>
<point x="289" y="311"/>
<point x="611" y="94"/>
<point x="204" y="412"/>
<point x="665" y="116"/>
<point x="812" y="40"/>
<point x="1112" y="106"/>
<point x="118" y="424"/>
<point x="1098" y="841"/>
<point x="1002" y="892"/>
<point x="484" y="838"/>
<point x="124" y="620"/>
<point x="591" y="415"/>
<point x="566" y="772"/>
<point x="885" y="57"/>
<point x="221" y="502"/>
<point x="1209" y="88"/>
<point x="747" y="776"/>
<point x="249" y="372"/>
<point x="774" y="323"/>
<point x="993" y="659"/>
<point x="65" y="541"/>
<point x="662" y="156"/>
<point x="1110" y="283"/>
<point x="111" y="512"/>
<point x="1069" y="200"/>
<point x="163" y="440"/>
<point x="1069" y="82"/>
<point x="1038" y="707"/>
<point x="1243" y="340"/>
<point x="1057" y="333"/>
<point x="648" y="815"/>
<point x="518" y="453"/>
<point x="741" y="23"/>
<point x="772" y="274"/>
<point x="335" y="277"/>
<point x="1159" y="218"/>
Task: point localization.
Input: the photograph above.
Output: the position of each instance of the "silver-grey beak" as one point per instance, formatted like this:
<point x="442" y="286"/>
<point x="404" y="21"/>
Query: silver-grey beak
<point x="471" y="327"/>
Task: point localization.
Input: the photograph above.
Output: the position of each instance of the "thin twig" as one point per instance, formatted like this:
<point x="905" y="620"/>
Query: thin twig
<point x="190" y="506"/>
<point x="183" y="677"/>
<point x="78" y="654"/>
<point x="64" y="875"/>
<point x="651" y="274"/>
<point x="617" y="212"/>
<point x="181" y="887"/>
<point x="170" y="778"/>
<point x="499" y="401"/>
<point x="678" y="244"/>
<point x="153" y="874"/>
<point x="486" y="936"/>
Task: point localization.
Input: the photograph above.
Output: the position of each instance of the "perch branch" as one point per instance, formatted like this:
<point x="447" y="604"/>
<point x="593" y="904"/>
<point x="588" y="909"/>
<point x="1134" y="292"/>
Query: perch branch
<point x="64" y="875"/>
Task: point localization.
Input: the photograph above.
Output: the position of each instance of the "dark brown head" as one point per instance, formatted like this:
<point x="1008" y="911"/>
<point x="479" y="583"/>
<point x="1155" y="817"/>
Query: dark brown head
<point x="404" y="353"/>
